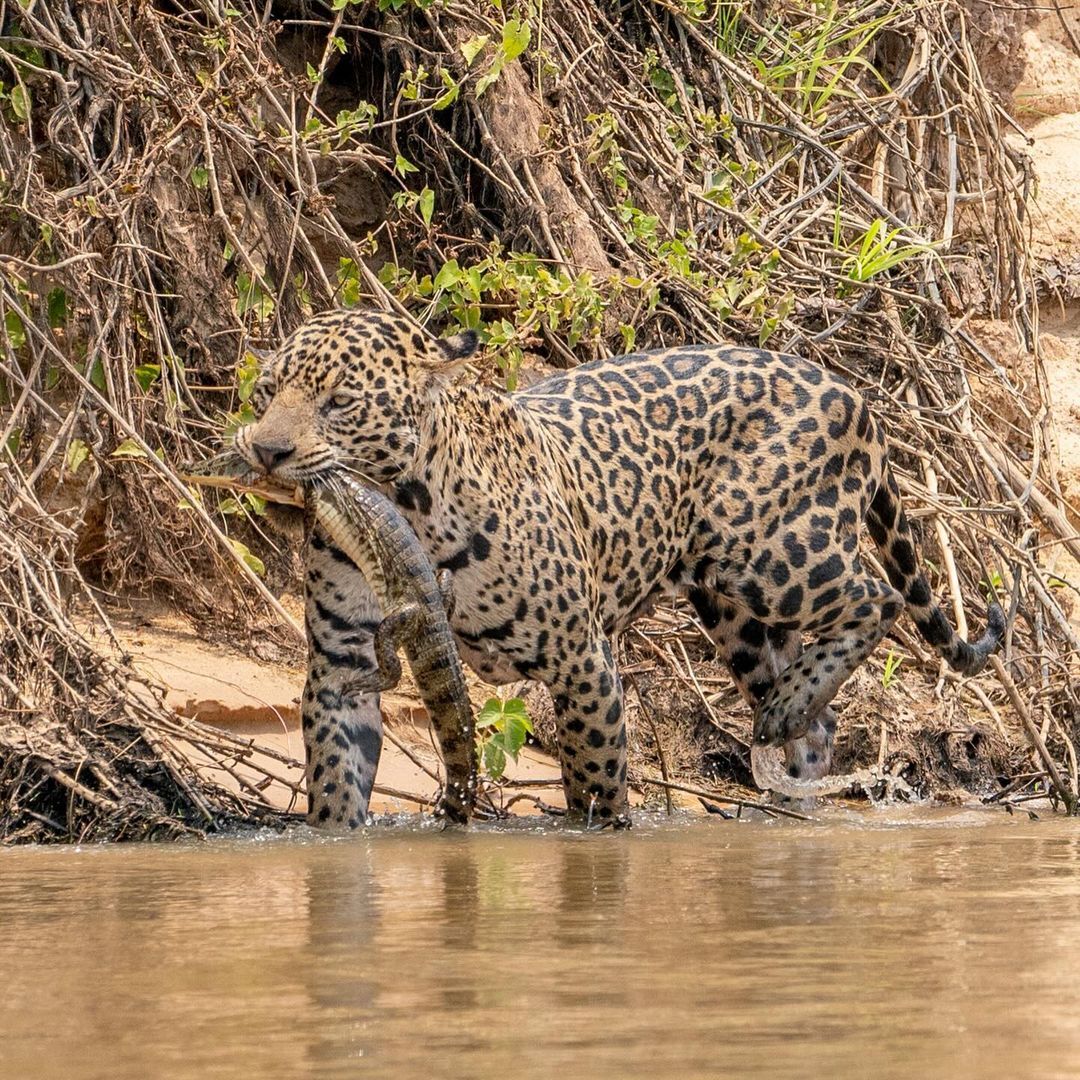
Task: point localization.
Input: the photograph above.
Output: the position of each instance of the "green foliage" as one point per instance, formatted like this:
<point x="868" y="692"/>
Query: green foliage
<point x="516" y="34"/>
<point x="507" y="724"/>
<point x="422" y="202"/>
<point x="250" y="560"/>
<point x="248" y="503"/>
<point x="95" y="372"/>
<point x="13" y="327"/>
<point x="247" y="374"/>
<point x="472" y="48"/>
<point x="603" y="149"/>
<point x="892" y="666"/>
<point x="348" y="276"/>
<point x="992" y="588"/>
<point x="146" y="375"/>
<point x="399" y="5"/>
<point x="17" y="101"/>
<point x="509" y="299"/>
<point x="252" y="298"/>
<point x="77" y="453"/>
<point x="129" y="448"/>
<point x="876" y="252"/>
<point x="56" y="307"/>
<point x="809" y="66"/>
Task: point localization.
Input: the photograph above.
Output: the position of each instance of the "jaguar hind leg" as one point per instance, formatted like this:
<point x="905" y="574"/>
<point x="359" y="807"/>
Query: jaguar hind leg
<point x="755" y="655"/>
<point x="865" y="610"/>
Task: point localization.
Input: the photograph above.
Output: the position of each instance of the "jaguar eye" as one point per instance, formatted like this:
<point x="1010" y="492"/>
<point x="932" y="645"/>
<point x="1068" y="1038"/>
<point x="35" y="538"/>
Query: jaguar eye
<point x="340" y="400"/>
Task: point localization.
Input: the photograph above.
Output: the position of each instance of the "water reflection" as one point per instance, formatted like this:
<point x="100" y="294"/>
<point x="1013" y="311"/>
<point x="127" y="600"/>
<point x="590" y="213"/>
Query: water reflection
<point x="704" y="949"/>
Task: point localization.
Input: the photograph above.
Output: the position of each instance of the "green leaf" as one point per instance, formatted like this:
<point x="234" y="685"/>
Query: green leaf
<point x="313" y="74"/>
<point x="252" y="562"/>
<point x="486" y="80"/>
<point x="494" y="760"/>
<point x="200" y="177"/>
<point x="14" y="441"/>
<point x="490" y="714"/>
<point x="96" y="375"/>
<point x="403" y="165"/>
<point x="449" y="275"/>
<point x="511" y="723"/>
<point x="451" y="94"/>
<point x="16" y="332"/>
<point x="518" y="725"/>
<point x="77" y="453"/>
<point x="473" y="47"/>
<point x="426" y="205"/>
<point x="146" y="375"/>
<point x="251" y="296"/>
<point x="516" y="36"/>
<point x="20" y="102"/>
<point x="348" y="276"/>
<point x="57" y="306"/>
<point x="247" y="375"/>
<point x="129" y="448"/>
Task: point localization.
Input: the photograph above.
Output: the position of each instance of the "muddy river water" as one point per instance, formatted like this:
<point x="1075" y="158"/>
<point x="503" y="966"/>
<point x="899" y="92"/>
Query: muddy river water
<point x="908" y="944"/>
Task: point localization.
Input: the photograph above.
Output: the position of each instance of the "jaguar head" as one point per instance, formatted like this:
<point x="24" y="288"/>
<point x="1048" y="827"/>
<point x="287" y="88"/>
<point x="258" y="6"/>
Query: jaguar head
<point x="346" y="391"/>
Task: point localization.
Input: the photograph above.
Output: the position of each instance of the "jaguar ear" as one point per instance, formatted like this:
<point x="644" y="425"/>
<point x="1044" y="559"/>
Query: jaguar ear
<point x="460" y="346"/>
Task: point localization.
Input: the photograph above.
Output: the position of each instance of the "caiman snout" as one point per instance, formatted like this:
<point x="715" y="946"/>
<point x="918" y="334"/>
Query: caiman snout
<point x="272" y="454"/>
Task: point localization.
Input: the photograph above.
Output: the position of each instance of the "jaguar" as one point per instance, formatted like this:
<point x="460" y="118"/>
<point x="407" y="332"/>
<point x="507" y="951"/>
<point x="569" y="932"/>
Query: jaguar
<point x="735" y="476"/>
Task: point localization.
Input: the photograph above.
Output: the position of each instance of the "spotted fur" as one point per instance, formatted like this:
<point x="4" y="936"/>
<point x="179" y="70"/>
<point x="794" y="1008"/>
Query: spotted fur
<point x="736" y="475"/>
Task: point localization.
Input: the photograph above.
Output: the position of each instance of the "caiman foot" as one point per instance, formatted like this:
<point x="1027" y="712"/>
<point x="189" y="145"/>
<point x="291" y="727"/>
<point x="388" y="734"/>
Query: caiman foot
<point x="372" y="682"/>
<point x="445" y="580"/>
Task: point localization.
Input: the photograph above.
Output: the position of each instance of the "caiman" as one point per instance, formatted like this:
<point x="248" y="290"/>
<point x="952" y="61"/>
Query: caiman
<point x="368" y="528"/>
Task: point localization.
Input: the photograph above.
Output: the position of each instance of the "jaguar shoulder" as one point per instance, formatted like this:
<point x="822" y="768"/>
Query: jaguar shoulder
<point x="737" y="476"/>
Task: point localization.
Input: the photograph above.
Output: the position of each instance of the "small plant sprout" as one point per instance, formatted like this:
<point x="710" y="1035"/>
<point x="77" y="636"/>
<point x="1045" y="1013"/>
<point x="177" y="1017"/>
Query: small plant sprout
<point x="892" y="666"/>
<point x="506" y="723"/>
<point x="993" y="587"/>
<point x="876" y="252"/>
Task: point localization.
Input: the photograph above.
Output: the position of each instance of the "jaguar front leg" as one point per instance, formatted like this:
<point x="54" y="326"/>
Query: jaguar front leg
<point x="342" y="730"/>
<point x="592" y="737"/>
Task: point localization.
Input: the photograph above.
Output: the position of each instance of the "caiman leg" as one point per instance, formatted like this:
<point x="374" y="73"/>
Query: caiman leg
<point x="342" y="732"/>
<point x="395" y="630"/>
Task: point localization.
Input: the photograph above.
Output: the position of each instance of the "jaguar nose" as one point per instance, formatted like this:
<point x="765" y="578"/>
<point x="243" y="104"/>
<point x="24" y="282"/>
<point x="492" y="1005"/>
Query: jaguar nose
<point x="271" y="455"/>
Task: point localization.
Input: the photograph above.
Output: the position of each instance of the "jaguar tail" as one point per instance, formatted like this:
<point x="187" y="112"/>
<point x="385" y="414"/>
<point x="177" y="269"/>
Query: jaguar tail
<point x="889" y="527"/>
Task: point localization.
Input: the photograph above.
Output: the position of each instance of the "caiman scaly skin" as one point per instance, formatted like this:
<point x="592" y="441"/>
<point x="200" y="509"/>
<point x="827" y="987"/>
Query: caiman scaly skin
<point x="356" y="656"/>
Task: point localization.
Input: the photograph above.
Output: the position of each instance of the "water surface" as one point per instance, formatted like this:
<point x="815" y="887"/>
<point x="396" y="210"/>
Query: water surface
<point x="860" y="946"/>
